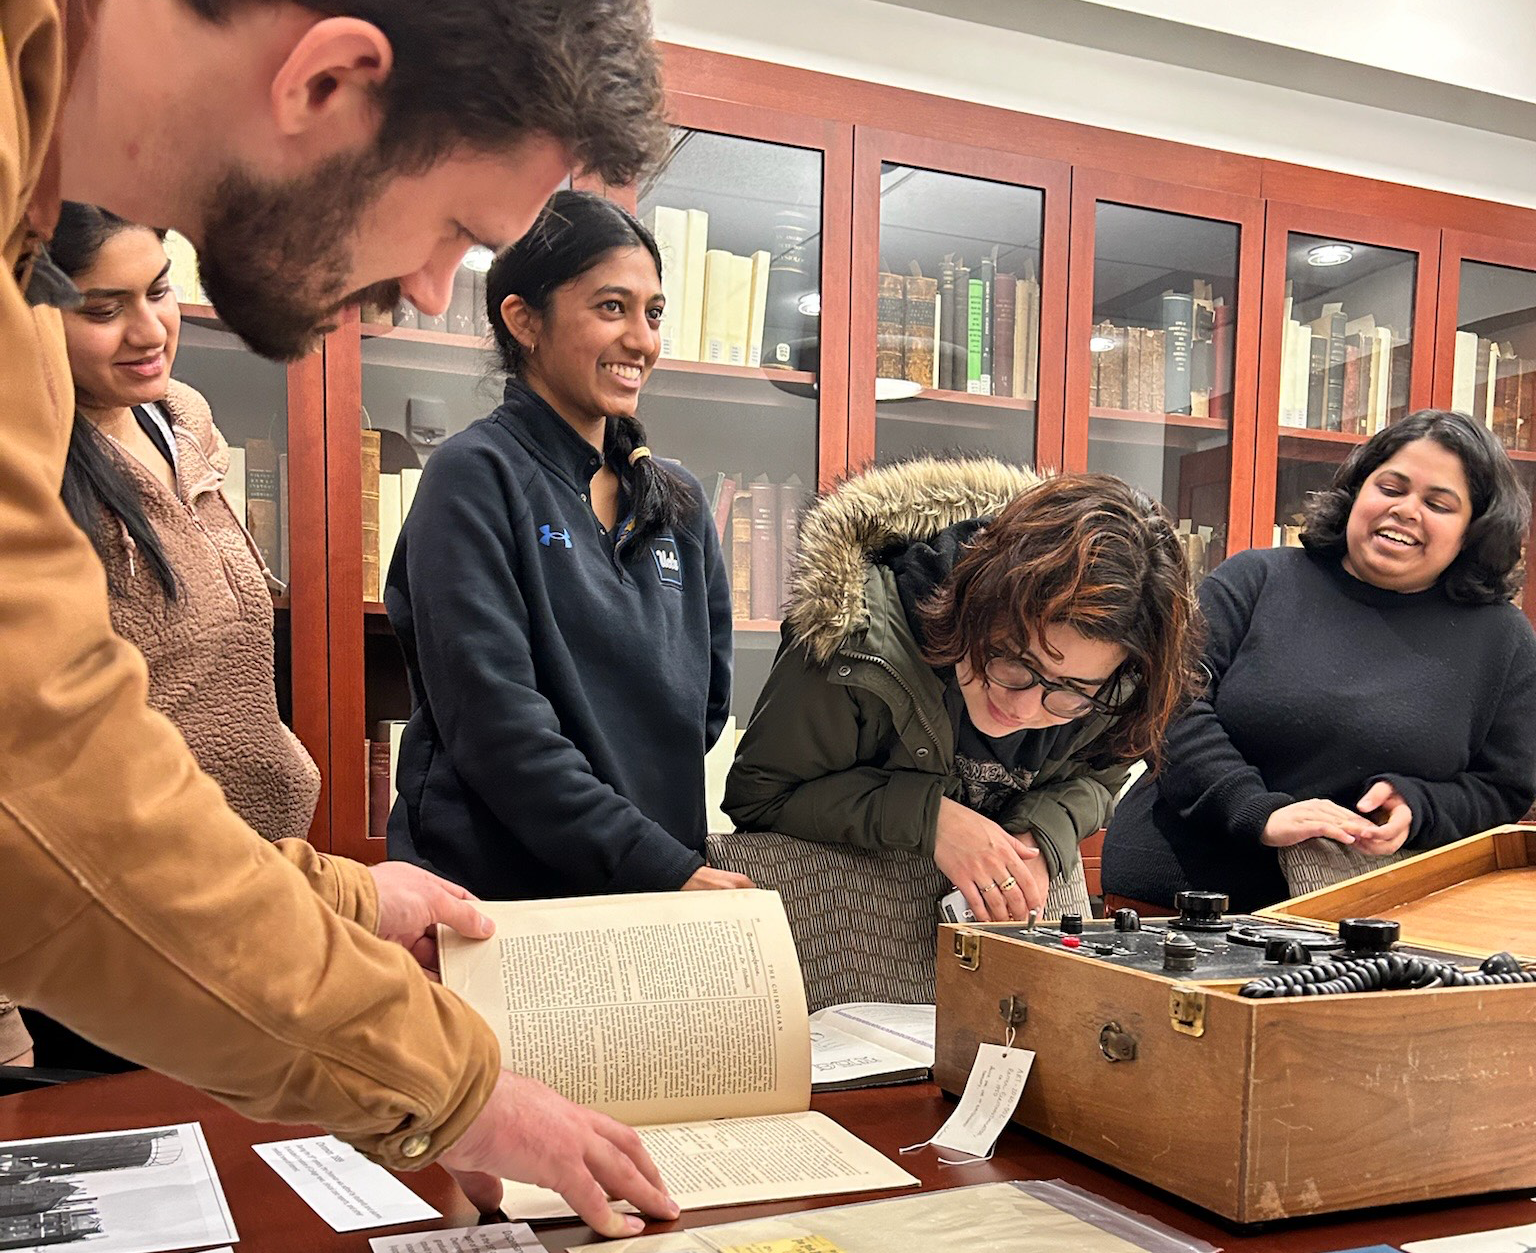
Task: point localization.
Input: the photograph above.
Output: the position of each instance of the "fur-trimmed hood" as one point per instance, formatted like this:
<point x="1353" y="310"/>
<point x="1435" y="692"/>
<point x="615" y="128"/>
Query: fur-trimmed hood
<point x="913" y="500"/>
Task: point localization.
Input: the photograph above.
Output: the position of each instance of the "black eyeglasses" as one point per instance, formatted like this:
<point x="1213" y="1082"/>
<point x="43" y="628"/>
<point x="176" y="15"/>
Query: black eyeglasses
<point x="1065" y="701"/>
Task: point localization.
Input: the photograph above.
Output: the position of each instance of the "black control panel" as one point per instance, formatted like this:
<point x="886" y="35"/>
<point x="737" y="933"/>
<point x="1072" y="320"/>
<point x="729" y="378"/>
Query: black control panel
<point x="1279" y="959"/>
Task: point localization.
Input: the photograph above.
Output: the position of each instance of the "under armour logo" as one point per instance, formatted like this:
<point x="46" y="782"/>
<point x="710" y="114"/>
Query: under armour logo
<point x="548" y="535"/>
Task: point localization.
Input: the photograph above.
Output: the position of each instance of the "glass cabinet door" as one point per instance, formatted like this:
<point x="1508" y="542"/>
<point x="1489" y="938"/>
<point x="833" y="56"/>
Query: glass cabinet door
<point x="950" y="297"/>
<point x="736" y="396"/>
<point x="1154" y="355"/>
<point x="1344" y="356"/>
<point x="1485" y="351"/>
<point x="272" y="417"/>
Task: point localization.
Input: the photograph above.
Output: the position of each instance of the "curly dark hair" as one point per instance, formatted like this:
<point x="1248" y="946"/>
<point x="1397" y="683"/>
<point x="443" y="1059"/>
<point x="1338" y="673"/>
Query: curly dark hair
<point x="1486" y="569"/>
<point x="487" y="73"/>
<point x="1090" y="552"/>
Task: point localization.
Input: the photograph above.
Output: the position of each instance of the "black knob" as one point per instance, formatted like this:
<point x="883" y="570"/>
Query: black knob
<point x="1127" y="920"/>
<point x="1369" y="935"/>
<point x="1501" y="964"/>
<point x="1179" y="952"/>
<point x="1200" y="911"/>
<point x="1071" y="924"/>
<point x="1286" y="951"/>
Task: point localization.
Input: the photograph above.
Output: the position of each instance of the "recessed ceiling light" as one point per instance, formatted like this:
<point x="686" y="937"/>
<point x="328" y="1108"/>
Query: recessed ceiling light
<point x="1329" y="254"/>
<point x="1101" y="343"/>
<point x="809" y="304"/>
<point x="896" y="389"/>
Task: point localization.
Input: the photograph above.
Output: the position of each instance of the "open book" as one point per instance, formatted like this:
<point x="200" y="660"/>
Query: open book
<point x="868" y="1043"/>
<point x="680" y="1013"/>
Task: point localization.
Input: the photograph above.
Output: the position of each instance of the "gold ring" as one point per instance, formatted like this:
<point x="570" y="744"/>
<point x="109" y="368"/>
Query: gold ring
<point x="985" y="887"/>
<point x="1009" y="882"/>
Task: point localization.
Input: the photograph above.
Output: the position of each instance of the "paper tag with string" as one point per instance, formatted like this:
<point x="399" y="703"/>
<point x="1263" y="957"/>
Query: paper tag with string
<point x="990" y="1097"/>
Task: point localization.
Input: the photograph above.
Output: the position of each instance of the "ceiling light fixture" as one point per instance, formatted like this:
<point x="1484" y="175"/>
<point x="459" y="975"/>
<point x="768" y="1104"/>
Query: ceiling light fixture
<point x="1329" y="254"/>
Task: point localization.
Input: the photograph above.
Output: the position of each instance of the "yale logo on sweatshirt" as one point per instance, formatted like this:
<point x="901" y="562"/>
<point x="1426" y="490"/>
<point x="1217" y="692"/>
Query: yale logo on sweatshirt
<point x="669" y="566"/>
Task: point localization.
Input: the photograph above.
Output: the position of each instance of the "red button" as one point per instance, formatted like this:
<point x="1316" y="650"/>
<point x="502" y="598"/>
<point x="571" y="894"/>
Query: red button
<point x="1070" y="941"/>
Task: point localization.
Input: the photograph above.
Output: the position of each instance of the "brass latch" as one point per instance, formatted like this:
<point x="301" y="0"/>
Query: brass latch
<point x="1186" y="1009"/>
<point x="968" y="949"/>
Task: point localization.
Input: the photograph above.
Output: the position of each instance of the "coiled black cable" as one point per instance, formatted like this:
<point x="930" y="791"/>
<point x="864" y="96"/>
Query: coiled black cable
<point x="1385" y="972"/>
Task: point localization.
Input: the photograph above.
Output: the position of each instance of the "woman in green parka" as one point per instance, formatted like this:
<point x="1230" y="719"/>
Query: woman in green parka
<point x="972" y="658"/>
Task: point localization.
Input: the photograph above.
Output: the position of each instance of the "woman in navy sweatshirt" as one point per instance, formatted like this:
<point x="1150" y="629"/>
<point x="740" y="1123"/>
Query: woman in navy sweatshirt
<point x="561" y="598"/>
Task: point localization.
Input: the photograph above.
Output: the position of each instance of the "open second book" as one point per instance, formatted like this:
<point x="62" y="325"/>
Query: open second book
<point x="865" y="1044"/>
<point x="680" y="1013"/>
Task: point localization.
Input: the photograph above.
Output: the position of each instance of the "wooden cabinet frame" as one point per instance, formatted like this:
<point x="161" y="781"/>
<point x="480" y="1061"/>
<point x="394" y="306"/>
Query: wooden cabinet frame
<point x="1281" y="221"/>
<point x="1089" y="188"/>
<point x="871" y="149"/>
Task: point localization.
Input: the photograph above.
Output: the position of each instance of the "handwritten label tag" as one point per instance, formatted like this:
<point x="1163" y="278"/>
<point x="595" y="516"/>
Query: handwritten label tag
<point x="795" y="1244"/>
<point x="990" y="1097"/>
<point x="497" y="1238"/>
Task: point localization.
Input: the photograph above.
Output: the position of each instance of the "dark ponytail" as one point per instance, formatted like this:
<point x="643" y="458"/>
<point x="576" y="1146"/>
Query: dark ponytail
<point x="572" y="233"/>
<point x="98" y="488"/>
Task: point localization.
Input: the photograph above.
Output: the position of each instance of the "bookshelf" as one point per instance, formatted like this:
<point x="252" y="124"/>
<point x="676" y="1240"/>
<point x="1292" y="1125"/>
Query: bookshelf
<point x="882" y="177"/>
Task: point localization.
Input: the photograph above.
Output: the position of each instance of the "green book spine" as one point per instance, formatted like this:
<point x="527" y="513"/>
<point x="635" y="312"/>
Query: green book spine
<point x="973" y="336"/>
<point x="988" y="276"/>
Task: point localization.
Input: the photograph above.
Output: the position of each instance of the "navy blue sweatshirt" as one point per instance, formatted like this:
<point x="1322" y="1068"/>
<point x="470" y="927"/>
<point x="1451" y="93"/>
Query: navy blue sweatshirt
<point x="1321" y="686"/>
<point x="567" y="681"/>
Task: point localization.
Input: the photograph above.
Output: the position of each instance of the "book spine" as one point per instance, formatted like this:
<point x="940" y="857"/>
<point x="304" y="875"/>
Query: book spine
<point x="371" y="588"/>
<point x="717" y="305"/>
<point x="1350" y="409"/>
<point x="1032" y="342"/>
<point x="973" y="337"/>
<point x="988" y="284"/>
<point x="738" y="310"/>
<point x="669" y="228"/>
<point x="284" y="535"/>
<point x="791" y="498"/>
<point x="741" y="555"/>
<point x="1004" y="311"/>
<point x="1317" y="381"/>
<point x="921" y="299"/>
<point x="1334" y="413"/>
<point x="262" y="514"/>
<point x="723" y="505"/>
<point x="1221" y="363"/>
<point x="1178" y="314"/>
<point x="380" y="786"/>
<point x="1154" y="370"/>
<point x="690" y="340"/>
<point x="947" y="326"/>
<point x="762" y="261"/>
<point x="890" y="326"/>
<point x="234" y="483"/>
<point x="764" y="556"/>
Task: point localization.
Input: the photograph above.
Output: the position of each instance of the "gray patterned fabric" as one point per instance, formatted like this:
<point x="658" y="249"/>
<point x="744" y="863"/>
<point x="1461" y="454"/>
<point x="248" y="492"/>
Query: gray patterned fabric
<point x="865" y="923"/>
<point x="1315" y="864"/>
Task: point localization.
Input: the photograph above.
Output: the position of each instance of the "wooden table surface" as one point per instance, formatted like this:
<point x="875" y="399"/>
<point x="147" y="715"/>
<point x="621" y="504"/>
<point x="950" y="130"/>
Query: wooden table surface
<point x="272" y="1219"/>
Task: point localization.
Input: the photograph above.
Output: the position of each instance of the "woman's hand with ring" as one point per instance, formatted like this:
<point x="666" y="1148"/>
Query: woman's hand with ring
<point x="980" y="858"/>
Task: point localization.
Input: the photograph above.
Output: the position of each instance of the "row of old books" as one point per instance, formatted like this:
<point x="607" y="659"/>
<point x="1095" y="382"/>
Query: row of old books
<point x="256" y="486"/>
<point x="758" y="522"/>
<point x="1339" y="373"/>
<point x="716" y="300"/>
<point x="960" y="333"/>
<point x="383" y="758"/>
<point x="387" y="500"/>
<point x="1182" y="366"/>
<point x="1497" y="386"/>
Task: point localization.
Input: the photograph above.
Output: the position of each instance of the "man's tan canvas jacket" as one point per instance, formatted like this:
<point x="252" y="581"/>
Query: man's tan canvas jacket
<point x="137" y="907"/>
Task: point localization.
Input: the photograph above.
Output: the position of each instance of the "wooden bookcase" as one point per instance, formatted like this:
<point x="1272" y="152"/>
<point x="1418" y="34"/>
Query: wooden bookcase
<point x="859" y="132"/>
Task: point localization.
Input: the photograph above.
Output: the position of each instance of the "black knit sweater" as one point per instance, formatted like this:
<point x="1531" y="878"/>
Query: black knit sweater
<point x="1322" y="685"/>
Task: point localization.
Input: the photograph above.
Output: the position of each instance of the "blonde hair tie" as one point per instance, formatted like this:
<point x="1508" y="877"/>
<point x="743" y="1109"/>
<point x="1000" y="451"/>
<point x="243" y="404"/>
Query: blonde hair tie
<point x="641" y="451"/>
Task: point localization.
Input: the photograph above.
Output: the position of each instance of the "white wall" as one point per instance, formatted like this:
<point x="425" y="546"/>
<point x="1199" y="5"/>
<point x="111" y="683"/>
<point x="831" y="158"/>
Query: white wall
<point x="1413" y="91"/>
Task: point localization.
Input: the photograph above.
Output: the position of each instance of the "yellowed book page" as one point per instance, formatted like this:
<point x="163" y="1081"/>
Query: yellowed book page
<point x="738" y="1161"/>
<point x="653" y="1007"/>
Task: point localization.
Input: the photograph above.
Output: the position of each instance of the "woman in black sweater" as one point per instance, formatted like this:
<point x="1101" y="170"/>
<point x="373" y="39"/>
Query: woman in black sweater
<point x="561" y="598"/>
<point x="1374" y="688"/>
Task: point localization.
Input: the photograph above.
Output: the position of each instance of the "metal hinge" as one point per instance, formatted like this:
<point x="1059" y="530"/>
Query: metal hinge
<point x="968" y="949"/>
<point x="1186" y="1009"/>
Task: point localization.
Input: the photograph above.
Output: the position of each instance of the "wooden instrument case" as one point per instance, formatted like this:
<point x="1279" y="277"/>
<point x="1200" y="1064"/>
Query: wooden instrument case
<point x="1270" y="1109"/>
